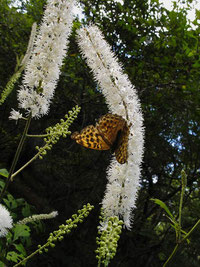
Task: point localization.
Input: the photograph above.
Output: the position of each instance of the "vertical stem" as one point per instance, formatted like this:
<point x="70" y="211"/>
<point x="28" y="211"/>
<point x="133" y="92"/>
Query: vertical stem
<point x="183" y="185"/>
<point x="16" y="157"/>
<point x="172" y="254"/>
<point x="180" y="214"/>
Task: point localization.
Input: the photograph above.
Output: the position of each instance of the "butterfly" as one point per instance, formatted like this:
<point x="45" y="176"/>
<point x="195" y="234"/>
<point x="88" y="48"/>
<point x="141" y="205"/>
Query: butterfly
<point x="110" y="132"/>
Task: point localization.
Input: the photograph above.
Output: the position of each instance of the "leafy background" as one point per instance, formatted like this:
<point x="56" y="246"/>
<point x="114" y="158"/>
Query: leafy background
<point x="160" y="54"/>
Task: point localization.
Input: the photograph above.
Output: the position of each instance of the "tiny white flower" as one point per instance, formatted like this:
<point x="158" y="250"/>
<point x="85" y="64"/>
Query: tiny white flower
<point x="54" y="213"/>
<point x="15" y="115"/>
<point x="5" y="221"/>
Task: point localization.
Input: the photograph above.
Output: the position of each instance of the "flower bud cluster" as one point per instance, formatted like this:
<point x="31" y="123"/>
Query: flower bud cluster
<point x="9" y="87"/>
<point x="66" y="228"/>
<point x="19" y="68"/>
<point x="107" y="242"/>
<point x="183" y="179"/>
<point x="38" y="217"/>
<point x="60" y="129"/>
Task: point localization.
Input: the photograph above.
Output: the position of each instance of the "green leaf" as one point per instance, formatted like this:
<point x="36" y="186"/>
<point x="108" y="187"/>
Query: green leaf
<point x="21" y="231"/>
<point x="2" y="183"/>
<point x="4" y="173"/>
<point x="26" y="210"/>
<point x="196" y="64"/>
<point x="2" y="264"/>
<point x="10" y="202"/>
<point x="20" y="248"/>
<point x="9" y="238"/>
<point x="164" y="206"/>
<point x="20" y="202"/>
<point x="14" y="256"/>
<point x="197" y="13"/>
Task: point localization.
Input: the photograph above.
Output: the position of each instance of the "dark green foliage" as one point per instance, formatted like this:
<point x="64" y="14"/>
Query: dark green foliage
<point x="14" y="247"/>
<point x="14" y="30"/>
<point x="160" y="53"/>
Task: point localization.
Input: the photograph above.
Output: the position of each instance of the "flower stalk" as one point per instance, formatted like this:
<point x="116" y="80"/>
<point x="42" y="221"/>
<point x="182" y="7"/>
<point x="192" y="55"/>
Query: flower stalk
<point x="52" y="137"/>
<point x="59" y="234"/>
<point x="16" y="157"/>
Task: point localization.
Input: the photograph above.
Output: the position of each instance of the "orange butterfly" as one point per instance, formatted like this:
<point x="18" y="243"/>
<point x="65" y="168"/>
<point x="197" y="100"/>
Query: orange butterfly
<point x="110" y="132"/>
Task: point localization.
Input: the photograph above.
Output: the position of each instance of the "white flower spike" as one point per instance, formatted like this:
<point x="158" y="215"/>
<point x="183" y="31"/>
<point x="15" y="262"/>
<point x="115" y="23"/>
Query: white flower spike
<point x="43" y="68"/>
<point x="5" y="221"/>
<point x="121" y="97"/>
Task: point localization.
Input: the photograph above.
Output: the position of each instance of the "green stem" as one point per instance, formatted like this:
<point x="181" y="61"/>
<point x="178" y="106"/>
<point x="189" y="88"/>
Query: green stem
<point x="181" y="205"/>
<point x="180" y="214"/>
<point x="176" y="247"/>
<point x="16" y="157"/>
<point x="30" y="256"/>
<point x="172" y="254"/>
<point x="25" y="165"/>
<point x="99" y="263"/>
<point x="189" y="233"/>
<point x="37" y="135"/>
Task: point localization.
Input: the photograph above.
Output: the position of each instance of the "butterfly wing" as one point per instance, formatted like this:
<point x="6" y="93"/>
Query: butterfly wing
<point x="111" y="131"/>
<point x="121" y="151"/>
<point x="109" y="125"/>
<point x="89" y="137"/>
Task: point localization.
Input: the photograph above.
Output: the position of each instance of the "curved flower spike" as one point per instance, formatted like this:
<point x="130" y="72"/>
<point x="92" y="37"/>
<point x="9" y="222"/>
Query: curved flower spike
<point x="121" y="97"/>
